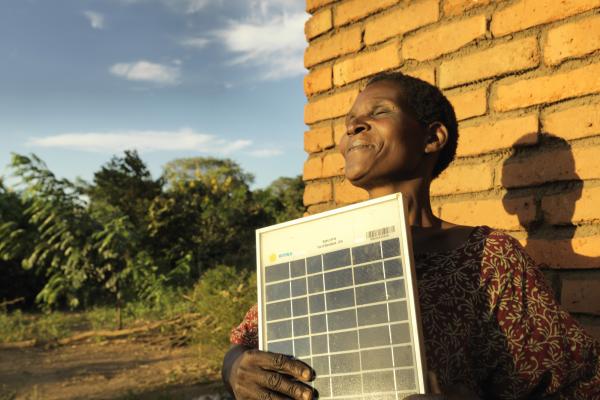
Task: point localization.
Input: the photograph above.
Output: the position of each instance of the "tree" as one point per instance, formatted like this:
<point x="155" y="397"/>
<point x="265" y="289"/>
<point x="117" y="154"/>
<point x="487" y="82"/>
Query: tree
<point x="123" y="187"/>
<point x="85" y="256"/>
<point x="16" y="237"/>
<point x="207" y="213"/>
<point x="282" y="199"/>
<point x="59" y="247"/>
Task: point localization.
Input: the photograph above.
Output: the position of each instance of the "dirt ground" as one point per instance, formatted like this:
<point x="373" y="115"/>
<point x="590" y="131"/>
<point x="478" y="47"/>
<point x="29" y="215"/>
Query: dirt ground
<point x="123" y="369"/>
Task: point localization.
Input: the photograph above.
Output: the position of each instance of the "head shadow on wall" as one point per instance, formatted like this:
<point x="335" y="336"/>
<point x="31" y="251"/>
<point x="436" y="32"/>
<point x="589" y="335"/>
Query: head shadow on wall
<point x="545" y="178"/>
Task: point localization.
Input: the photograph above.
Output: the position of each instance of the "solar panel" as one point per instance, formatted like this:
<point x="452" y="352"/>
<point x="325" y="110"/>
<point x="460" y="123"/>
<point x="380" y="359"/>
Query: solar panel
<point x="337" y="291"/>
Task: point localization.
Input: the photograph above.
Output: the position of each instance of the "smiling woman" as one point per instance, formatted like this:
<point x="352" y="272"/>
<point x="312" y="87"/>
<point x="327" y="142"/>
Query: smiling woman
<point x="404" y="132"/>
<point x="491" y="326"/>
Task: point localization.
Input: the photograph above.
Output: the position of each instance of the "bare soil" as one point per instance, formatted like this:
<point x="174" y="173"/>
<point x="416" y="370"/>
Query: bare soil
<point x="118" y="369"/>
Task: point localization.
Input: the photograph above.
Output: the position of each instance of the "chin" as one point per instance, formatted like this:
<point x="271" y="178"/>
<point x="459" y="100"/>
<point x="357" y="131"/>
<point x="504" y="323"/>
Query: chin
<point x="358" y="180"/>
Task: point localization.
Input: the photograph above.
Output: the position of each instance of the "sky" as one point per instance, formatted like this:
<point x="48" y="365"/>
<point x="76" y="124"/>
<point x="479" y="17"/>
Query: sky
<point x="83" y="80"/>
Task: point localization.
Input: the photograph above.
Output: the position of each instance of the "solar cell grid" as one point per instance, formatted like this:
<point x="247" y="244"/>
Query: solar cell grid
<point x="333" y="295"/>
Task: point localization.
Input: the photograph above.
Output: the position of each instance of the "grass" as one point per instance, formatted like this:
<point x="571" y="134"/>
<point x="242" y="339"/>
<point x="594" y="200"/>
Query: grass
<point x="18" y="326"/>
<point x="222" y="295"/>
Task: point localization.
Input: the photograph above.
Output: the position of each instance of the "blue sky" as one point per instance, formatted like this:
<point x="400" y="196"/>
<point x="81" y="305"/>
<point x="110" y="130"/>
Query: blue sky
<point x="82" y="80"/>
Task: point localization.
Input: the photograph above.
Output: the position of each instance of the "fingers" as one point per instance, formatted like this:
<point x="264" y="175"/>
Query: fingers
<point x="257" y="393"/>
<point x="274" y="386"/>
<point x="284" y="364"/>
<point x="271" y="376"/>
<point x="279" y="383"/>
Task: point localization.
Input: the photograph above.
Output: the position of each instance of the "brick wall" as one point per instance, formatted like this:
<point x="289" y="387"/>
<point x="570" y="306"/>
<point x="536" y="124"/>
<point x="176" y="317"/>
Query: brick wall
<point x="524" y="78"/>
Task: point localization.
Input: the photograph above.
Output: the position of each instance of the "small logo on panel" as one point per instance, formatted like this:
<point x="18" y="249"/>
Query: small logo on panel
<point x="272" y="257"/>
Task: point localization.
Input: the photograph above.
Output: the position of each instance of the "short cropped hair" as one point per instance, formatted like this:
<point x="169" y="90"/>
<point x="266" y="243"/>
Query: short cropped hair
<point x="426" y="103"/>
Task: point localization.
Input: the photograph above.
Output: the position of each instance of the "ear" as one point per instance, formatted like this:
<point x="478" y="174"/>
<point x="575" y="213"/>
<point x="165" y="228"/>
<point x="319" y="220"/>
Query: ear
<point x="437" y="137"/>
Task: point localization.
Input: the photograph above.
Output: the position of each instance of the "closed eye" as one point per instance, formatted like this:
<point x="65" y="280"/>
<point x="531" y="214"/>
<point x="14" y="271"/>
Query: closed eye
<point x="380" y="111"/>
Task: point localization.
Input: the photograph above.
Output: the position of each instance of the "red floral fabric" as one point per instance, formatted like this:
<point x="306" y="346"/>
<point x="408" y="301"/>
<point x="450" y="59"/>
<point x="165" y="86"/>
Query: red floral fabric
<point x="491" y="323"/>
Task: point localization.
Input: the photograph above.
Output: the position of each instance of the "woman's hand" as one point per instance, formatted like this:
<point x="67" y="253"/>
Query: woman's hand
<point x="252" y="374"/>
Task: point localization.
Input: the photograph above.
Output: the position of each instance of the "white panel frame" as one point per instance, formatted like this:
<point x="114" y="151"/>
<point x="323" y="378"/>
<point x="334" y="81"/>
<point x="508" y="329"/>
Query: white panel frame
<point x="409" y="274"/>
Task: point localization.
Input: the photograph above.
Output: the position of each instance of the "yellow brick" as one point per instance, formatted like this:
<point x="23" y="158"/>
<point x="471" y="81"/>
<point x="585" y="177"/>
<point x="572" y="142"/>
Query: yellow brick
<point x="573" y="123"/>
<point x="318" y="24"/>
<point x="463" y="179"/>
<point x="323" y="49"/>
<point x="458" y="7"/>
<point x="488" y="136"/>
<point x="339" y="130"/>
<point x="346" y="193"/>
<point x="579" y="252"/>
<point x="318" y="192"/>
<point x="576" y="206"/>
<point x="313" y="168"/>
<point x="497" y="213"/>
<point x="319" y="208"/>
<point x="426" y="74"/>
<point x="312" y="5"/>
<point x="512" y="56"/>
<point x="547" y="89"/>
<point x="401" y="21"/>
<point x="446" y="38"/>
<point x="574" y="39"/>
<point x="527" y="13"/>
<point x="468" y="104"/>
<point x="318" y="80"/>
<point x="353" y="10"/>
<point x="336" y="105"/>
<point x="365" y="64"/>
<point x="333" y="165"/>
<point x="318" y="139"/>
<point x="551" y="166"/>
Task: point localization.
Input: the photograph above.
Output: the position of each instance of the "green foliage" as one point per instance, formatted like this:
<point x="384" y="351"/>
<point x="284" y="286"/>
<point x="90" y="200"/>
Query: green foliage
<point x="223" y="294"/>
<point x="123" y="187"/>
<point x="206" y="216"/>
<point x="16" y="282"/>
<point x="60" y="249"/>
<point x="127" y="238"/>
<point x="282" y="199"/>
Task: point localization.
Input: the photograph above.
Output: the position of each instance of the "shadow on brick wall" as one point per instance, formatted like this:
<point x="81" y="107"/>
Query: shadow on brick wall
<point x="546" y="175"/>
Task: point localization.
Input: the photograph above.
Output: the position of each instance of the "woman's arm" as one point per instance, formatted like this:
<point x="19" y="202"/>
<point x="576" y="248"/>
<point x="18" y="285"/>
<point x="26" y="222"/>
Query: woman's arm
<point x="545" y="351"/>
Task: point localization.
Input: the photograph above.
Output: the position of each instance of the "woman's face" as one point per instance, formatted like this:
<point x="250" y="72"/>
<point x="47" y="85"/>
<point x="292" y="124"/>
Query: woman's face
<point x="382" y="144"/>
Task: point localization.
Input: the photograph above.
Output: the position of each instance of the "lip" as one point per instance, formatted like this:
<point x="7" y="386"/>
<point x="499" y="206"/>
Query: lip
<point x="359" y="144"/>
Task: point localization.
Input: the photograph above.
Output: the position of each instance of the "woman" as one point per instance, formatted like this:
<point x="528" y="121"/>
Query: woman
<point x="492" y="328"/>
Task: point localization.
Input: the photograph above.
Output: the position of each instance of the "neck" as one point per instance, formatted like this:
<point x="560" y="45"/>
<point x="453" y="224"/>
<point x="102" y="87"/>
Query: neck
<point x="416" y="194"/>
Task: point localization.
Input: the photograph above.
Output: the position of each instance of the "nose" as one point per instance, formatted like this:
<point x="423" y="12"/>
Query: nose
<point x="356" y="126"/>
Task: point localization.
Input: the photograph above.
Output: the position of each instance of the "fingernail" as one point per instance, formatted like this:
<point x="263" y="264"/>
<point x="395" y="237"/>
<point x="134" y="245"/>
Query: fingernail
<point x="306" y="374"/>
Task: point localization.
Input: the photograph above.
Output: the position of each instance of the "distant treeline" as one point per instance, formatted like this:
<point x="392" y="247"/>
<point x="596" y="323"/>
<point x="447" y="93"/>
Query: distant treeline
<point x="127" y="236"/>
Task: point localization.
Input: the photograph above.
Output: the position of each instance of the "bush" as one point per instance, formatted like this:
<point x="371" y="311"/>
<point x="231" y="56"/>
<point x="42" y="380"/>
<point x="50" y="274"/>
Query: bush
<point x="223" y="294"/>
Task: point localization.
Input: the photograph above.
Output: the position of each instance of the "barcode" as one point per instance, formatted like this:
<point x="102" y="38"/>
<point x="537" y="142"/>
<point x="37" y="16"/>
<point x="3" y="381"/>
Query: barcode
<point x="379" y="233"/>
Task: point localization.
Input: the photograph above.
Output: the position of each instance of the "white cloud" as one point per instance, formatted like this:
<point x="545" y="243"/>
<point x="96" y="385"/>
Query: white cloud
<point x="190" y="6"/>
<point x="262" y="10"/>
<point x="144" y="141"/>
<point x="276" y="45"/>
<point x="195" y="42"/>
<point x="147" y="71"/>
<point x="181" y="6"/>
<point x="96" y="19"/>
<point x="265" y="153"/>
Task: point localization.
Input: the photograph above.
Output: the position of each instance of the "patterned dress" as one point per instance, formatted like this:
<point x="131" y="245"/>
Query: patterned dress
<point x="491" y="323"/>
